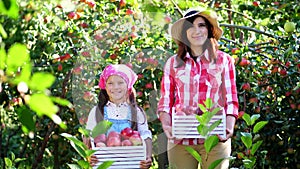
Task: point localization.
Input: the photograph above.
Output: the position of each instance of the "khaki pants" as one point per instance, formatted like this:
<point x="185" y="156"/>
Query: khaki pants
<point x="179" y="158"/>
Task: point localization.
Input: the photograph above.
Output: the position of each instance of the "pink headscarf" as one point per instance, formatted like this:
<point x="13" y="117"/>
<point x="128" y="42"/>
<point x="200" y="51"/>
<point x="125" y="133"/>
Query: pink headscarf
<point x="121" y="70"/>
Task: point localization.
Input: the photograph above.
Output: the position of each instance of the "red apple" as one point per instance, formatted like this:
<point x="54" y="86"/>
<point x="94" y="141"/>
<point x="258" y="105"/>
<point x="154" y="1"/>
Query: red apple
<point x="113" y="134"/>
<point x="113" y="141"/>
<point x="126" y="133"/>
<point x="168" y="19"/>
<point x="256" y="3"/>
<point x="134" y="132"/>
<point x="100" y="144"/>
<point x="136" y="139"/>
<point x="122" y="3"/>
<point x="126" y="143"/>
<point x="283" y="72"/>
<point x="235" y="50"/>
<point x="113" y="56"/>
<point x="60" y="67"/>
<point x="246" y="86"/>
<point x="71" y="15"/>
<point x="129" y="12"/>
<point x="100" y="138"/>
<point x="244" y="62"/>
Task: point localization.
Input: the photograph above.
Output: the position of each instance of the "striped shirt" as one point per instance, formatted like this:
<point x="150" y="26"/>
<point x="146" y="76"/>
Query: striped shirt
<point x="186" y="86"/>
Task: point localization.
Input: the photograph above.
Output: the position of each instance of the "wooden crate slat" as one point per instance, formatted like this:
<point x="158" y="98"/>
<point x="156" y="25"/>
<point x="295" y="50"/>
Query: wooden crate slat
<point x="186" y="126"/>
<point x="120" y="159"/>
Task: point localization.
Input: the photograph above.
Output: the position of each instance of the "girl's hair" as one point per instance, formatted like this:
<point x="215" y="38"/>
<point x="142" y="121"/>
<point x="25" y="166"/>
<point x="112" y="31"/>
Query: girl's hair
<point x="210" y="44"/>
<point x="103" y="99"/>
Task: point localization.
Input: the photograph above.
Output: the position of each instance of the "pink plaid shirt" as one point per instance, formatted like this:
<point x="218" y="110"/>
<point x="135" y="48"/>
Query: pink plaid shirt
<point x="194" y="82"/>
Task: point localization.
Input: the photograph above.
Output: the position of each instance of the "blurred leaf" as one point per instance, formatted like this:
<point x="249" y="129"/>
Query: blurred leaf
<point x="2" y="58"/>
<point x="8" y="162"/>
<point x="9" y="8"/>
<point x="105" y="165"/>
<point x="3" y="32"/>
<point x="62" y="102"/>
<point x="74" y="166"/>
<point x="194" y="153"/>
<point x="83" y="164"/>
<point x="247" y="139"/>
<point x="208" y="103"/>
<point x="256" y="146"/>
<point x="84" y="132"/>
<point x="17" y="56"/>
<point x="78" y="145"/>
<point x="214" y="164"/>
<point x="211" y="142"/>
<point x="41" y="81"/>
<point x="259" y="126"/>
<point x="42" y="105"/>
<point x="101" y="128"/>
<point x="26" y="118"/>
<point x="214" y="125"/>
<point x="24" y="75"/>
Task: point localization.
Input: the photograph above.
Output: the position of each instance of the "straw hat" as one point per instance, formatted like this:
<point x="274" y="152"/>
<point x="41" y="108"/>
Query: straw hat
<point x="209" y="14"/>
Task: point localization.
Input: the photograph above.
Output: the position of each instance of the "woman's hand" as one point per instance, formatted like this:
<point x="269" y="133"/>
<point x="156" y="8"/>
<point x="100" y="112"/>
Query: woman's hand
<point x="165" y="119"/>
<point x="145" y="164"/>
<point x="93" y="160"/>
<point x="230" y="122"/>
<point x="168" y="131"/>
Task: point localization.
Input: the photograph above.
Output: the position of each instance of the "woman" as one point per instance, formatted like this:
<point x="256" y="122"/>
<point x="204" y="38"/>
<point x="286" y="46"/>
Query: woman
<point x="198" y="71"/>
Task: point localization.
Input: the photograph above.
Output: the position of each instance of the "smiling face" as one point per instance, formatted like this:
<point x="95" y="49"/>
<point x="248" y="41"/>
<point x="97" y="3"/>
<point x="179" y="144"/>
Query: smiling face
<point x="197" y="34"/>
<point x="116" y="88"/>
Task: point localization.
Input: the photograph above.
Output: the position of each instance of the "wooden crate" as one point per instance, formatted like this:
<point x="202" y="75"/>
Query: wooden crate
<point x="123" y="156"/>
<point x="186" y="126"/>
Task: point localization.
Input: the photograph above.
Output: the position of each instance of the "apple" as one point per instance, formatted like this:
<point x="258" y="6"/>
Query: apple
<point x="246" y="86"/>
<point x="136" y="140"/>
<point x="244" y="62"/>
<point x="113" y="134"/>
<point x="60" y="67"/>
<point x="134" y="132"/>
<point x="126" y="132"/>
<point x="129" y="12"/>
<point x="126" y="143"/>
<point x="235" y="50"/>
<point x="71" y="15"/>
<point x="283" y="72"/>
<point x="122" y="3"/>
<point x="168" y="19"/>
<point x="100" y="144"/>
<point x="289" y="27"/>
<point x="256" y="3"/>
<point x="113" y="141"/>
<point x="113" y="56"/>
<point x="100" y="138"/>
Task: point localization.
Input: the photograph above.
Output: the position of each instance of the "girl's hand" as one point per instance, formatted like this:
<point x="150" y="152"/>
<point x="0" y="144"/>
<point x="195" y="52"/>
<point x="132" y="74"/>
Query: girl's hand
<point x="168" y="131"/>
<point x="145" y="164"/>
<point x="93" y="160"/>
<point x="87" y="142"/>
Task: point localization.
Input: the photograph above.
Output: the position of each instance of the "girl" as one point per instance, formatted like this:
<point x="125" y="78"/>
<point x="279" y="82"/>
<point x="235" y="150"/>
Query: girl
<point x="198" y="71"/>
<point x="117" y="103"/>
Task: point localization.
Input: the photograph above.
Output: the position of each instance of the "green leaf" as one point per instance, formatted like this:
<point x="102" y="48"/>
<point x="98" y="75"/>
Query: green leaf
<point x="210" y="143"/>
<point x="105" y="165"/>
<point x="17" y="56"/>
<point x="214" y="125"/>
<point x="254" y="117"/>
<point x="247" y="119"/>
<point x="10" y="8"/>
<point x="214" y="164"/>
<point x="74" y="166"/>
<point x="194" y="153"/>
<point x="83" y="164"/>
<point x="78" y="145"/>
<point x="8" y="162"/>
<point x="3" y="32"/>
<point x="19" y="159"/>
<point x="2" y="58"/>
<point x="62" y="102"/>
<point x="101" y="128"/>
<point x="24" y="75"/>
<point x="208" y="103"/>
<point x="84" y="132"/>
<point x="202" y="130"/>
<point x="41" y="81"/>
<point x="259" y="126"/>
<point x="26" y="118"/>
<point x="42" y="105"/>
<point x="247" y="139"/>
<point x="202" y="108"/>
<point x="256" y="146"/>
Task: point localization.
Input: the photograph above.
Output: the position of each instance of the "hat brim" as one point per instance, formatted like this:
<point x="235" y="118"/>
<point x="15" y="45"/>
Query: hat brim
<point x="176" y="29"/>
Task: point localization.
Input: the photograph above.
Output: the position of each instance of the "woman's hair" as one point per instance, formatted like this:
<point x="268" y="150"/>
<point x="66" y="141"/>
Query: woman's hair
<point x="103" y="98"/>
<point x="210" y="44"/>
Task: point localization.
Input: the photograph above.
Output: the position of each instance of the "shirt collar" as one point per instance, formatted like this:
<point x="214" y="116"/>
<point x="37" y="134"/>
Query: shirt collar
<point x="204" y="55"/>
<point x="109" y="103"/>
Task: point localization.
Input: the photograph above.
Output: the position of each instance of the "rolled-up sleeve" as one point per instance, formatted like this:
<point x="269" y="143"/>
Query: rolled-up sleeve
<point x="231" y="105"/>
<point x="142" y="125"/>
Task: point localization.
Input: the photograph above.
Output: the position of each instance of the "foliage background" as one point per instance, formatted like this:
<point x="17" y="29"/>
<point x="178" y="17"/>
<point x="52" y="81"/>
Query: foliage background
<point x="70" y="42"/>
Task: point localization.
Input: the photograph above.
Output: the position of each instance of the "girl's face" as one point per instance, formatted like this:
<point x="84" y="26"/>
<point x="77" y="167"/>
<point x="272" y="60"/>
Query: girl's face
<point x="198" y="33"/>
<point x="116" y="88"/>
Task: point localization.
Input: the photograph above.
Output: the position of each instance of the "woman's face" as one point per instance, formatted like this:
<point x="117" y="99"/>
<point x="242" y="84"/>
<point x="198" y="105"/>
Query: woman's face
<point x="198" y="33"/>
<point x="116" y="88"/>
